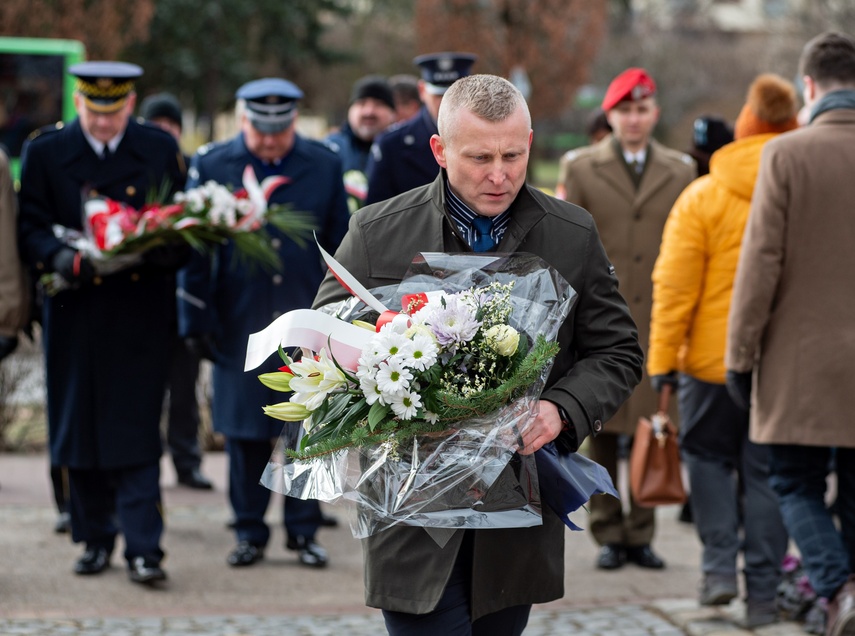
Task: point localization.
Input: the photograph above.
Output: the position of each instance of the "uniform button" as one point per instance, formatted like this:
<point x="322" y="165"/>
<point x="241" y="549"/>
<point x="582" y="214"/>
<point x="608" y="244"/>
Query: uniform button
<point x="135" y="277"/>
<point x="276" y="314"/>
<point x="598" y="426"/>
<point x="638" y="258"/>
<point x="275" y="243"/>
<point x="637" y="216"/>
<point x="97" y="280"/>
<point x="40" y="265"/>
<point x="637" y="299"/>
<point x="277" y="279"/>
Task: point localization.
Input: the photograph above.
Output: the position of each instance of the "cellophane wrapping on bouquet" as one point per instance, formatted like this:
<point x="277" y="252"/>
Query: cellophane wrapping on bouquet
<point x="467" y="475"/>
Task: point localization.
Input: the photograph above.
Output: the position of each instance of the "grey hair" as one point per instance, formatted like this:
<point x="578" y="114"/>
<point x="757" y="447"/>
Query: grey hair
<point x="489" y="97"/>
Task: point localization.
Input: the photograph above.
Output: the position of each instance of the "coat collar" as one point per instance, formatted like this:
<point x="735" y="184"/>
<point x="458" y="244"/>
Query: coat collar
<point x="81" y="162"/>
<point x="610" y="166"/>
<point x="526" y="212"/>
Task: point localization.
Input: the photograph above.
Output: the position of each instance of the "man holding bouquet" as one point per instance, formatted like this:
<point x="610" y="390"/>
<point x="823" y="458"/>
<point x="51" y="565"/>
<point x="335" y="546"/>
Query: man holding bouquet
<point x="107" y="338"/>
<point x="485" y="581"/>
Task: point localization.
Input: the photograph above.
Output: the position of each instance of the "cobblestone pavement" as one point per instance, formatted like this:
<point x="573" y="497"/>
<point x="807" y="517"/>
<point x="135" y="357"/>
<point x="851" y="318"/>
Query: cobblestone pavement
<point x="628" y="621"/>
<point x="40" y="595"/>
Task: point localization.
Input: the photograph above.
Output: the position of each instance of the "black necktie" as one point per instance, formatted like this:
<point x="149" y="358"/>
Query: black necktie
<point x="106" y="154"/>
<point x="483" y="240"/>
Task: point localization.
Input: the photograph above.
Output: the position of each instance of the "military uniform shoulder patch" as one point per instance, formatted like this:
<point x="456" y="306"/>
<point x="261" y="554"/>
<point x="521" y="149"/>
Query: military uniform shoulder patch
<point x="38" y="132"/>
<point x="376" y="152"/>
<point x="570" y="155"/>
<point x="208" y="147"/>
<point x="331" y="145"/>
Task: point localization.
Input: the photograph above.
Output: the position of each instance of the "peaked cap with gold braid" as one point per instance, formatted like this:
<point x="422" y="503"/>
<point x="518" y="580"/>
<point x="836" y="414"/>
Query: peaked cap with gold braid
<point x="105" y="86"/>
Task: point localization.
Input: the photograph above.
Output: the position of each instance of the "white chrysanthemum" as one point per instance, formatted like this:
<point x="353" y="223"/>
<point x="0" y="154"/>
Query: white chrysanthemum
<point x="393" y="377"/>
<point x="368" y="361"/>
<point x="454" y="323"/>
<point x="433" y="418"/>
<point x="423" y="352"/>
<point x="370" y="389"/>
<point x="391" y="344"/>
<point x="406" y="404"/>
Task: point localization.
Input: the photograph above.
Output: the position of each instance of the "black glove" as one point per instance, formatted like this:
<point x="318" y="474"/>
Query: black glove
<point x="202" y="346"/>
<point x="168" y="257"/>
<point x="73" y="266"/>
<point x="7" y="345"/>
<point x="658" y="382"/>
<point x="739" y="387"/>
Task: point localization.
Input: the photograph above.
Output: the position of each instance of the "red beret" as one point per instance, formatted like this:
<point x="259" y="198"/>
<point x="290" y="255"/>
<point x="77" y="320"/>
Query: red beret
<point x="633" y="84"/>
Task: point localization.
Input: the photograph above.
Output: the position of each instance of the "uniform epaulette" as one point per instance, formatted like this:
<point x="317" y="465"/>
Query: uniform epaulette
<point x="208" y="147"/>
<point x="38" y="132"/>
<point x="321" y="143"/>
<point x="331" y="145"/>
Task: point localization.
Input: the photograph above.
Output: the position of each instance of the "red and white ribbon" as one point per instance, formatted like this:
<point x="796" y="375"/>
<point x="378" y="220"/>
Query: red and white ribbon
<point x="310" y="329"/>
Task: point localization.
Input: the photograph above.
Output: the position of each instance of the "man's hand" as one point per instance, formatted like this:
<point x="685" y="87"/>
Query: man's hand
<point x="739" y="387"/>
<point x="545" y="428"/>
<point x="658" y="382"/>
<point x="7" y="345"/>
<point x="73" y="266"/>
<point x="202" y="346"/>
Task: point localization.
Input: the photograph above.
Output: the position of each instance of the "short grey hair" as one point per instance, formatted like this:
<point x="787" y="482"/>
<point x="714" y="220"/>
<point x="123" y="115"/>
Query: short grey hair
<point x="489" y="97"/>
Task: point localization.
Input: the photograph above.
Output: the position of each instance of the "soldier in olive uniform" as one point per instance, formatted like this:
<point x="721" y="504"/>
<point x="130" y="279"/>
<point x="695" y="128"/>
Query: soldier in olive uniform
<point x="628" y="182"/>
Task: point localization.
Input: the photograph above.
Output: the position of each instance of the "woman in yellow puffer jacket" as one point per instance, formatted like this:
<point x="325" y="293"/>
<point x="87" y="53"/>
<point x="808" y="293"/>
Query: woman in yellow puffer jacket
<point x="692" y="287"/>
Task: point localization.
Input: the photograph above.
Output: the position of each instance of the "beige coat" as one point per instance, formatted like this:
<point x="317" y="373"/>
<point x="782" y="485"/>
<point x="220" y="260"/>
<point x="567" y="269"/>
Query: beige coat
<point x="792" y="318"/>
<point x="14" y="303"/>
<point x="630" y="223"/>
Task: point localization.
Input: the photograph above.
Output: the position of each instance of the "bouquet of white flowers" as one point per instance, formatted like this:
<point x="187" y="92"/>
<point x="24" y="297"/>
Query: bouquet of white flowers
<point x="420" y="426"/>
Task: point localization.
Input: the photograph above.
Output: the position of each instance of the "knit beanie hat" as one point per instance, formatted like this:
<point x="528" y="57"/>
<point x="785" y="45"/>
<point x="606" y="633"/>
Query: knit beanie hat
<point x="770" y="108"/>
<point x="375" y="87"/>
<point x="161" y="105"/>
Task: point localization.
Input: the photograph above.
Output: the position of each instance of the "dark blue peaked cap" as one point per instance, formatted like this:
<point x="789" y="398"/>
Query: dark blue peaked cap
<point x="441" y="70"/>
<point x="271" y="103"/>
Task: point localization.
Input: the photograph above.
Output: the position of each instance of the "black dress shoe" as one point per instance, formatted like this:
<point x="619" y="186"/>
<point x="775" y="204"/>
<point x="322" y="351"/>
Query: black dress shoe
<point x="93" y="561"/>
<point x="611" y="557"/>
<point x="245" y="554"/>
<point x="644" y="557"/>
<point x="145" y="571"/>
<point x="328" y="521"/>
<point x="195" y="479"/>
<point x="309" y="552"/>
<point x="63" y="523"/>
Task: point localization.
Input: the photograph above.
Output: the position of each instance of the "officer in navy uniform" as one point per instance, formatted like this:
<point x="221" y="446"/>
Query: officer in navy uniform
<point x="401" y="158"/>
<point x="107" y="339"/>
<point x="222" y="302"/>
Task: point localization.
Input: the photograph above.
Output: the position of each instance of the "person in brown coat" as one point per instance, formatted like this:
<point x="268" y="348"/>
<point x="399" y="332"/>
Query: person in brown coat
<point x="628" y="182"/>
<point x="791" y="336"/>
<point x="14" y="304"/>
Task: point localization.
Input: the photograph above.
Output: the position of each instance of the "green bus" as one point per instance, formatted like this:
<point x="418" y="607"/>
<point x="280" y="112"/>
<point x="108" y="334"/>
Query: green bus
<point x="35" y="88"/>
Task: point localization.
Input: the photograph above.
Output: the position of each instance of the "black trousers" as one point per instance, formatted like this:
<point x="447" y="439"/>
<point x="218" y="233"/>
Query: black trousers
<point x="452" y="615"/>
<point x="103" y="501"/>
<point x="182" y="432"/>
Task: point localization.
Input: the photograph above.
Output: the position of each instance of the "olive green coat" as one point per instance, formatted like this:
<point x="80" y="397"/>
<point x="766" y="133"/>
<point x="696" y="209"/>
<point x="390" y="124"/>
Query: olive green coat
<point x="595" y="371"/>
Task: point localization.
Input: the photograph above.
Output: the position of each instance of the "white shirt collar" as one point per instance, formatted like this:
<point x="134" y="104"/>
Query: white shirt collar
<point x="640" y="156"/>
<point x="98" y="146"/>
